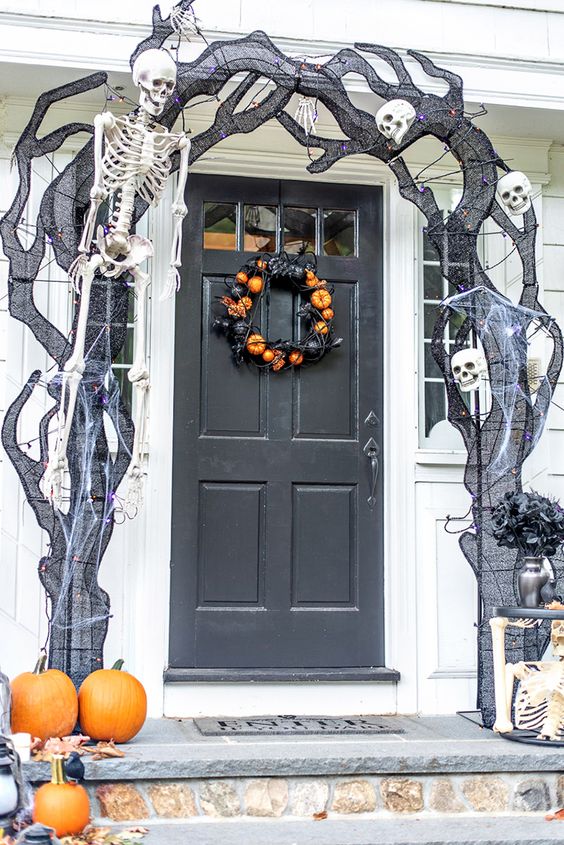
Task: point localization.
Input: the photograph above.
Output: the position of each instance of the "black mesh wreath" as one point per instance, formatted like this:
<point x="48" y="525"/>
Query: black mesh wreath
<point x="76" y="645"/>
<point x="242" y="307"/>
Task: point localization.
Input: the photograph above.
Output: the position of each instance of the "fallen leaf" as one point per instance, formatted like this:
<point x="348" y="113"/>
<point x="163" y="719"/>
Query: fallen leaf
<point x="319" y="817"/>
<point x="557" y="816"/>
<point x="103" y="750"/>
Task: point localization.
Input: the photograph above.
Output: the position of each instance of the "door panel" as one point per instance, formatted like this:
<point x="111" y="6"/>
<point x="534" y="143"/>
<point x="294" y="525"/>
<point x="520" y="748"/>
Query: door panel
<point x="277" y="557"/>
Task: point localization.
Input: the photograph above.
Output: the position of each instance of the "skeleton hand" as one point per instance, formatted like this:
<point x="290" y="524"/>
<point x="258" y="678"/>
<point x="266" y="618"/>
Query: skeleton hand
<point x="77" y="270"/>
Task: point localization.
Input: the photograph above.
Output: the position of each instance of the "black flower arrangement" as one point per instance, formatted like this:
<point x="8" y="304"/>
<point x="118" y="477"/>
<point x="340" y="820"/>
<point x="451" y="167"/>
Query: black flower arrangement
<point x="531" y="523"/>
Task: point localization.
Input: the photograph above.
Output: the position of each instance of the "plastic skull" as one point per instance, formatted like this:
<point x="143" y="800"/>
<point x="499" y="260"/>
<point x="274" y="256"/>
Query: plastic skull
<point x="557" y="638"/>
<point x="394" y="118"/>
<point x="514" y="192"/>
<point x="467" y="368"/>
<point x="154" y="73"/>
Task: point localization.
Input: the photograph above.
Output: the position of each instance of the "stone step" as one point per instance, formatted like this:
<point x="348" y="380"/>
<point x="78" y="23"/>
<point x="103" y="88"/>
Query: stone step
<point x="450" y="830"/>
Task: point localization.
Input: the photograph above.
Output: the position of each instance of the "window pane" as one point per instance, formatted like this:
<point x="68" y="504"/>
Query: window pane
<point x="339" y="232"/>
<point x="431" y="368"/>
<point x="429" y="251"/>
<point x="430" y="314"/>
<point x="454" y="323"/>
<point x="220" y="225"/>
<point x="261" y="225"/>
<point x="435" y="404"/>
<point x="433" y="284"/>
<point x="125" y="386"/>
<point x="299" y="229"/>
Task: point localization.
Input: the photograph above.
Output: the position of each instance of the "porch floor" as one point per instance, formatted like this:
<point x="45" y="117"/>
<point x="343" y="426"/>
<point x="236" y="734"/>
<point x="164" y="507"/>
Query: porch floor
<point x="175" y="749"/>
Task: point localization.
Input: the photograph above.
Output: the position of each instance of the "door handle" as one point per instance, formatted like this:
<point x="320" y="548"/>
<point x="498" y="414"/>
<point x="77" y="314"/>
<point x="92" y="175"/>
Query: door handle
<point x="372" y="452"/>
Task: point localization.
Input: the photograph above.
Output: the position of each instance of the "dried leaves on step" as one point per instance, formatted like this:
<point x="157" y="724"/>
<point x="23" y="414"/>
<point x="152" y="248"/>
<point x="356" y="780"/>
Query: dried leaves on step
<point x="103" y="750"/>
<point x="557" y="816"/>
<point x="107" y="836"/>
<point x="43" y="751"/>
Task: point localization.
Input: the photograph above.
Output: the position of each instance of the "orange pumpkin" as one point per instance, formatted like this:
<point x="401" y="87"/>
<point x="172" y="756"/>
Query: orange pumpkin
<point x="63" y="806"/>
<point x="256" y="344"/>
<point x="311" y="279"/>
<point x="261" y="264"/>
<point x="327" y="313"/>
<point x="279" y="363"/>
<point x="268" y="355"/>
<point x="247" y="302"/>
<point x="310" y="275"/>
<point x="44" y="702"/>
<point x="321" y="299"/>
<point x="242" y="277"/>
<point x="296" y="357"/>
<point x="321" y="327"/>
<point x="255" y="284"/>
<point x="112" y="705"/>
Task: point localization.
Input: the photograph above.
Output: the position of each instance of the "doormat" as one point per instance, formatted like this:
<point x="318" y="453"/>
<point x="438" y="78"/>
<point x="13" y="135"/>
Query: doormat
<point x="300" y="725"/>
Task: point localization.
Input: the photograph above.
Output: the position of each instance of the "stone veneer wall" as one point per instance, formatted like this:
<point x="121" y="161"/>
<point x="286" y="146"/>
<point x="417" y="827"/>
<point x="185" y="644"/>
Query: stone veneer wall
<point x="305" y="797"/>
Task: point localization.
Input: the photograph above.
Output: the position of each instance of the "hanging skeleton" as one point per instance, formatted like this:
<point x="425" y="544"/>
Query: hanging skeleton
<point x="183" y="20"/>
<point x="306" y="115"/>
<point x="132" y="157"/>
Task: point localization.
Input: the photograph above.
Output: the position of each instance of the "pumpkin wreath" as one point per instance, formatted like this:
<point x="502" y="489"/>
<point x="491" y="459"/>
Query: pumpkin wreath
<point x="242" y="305"/>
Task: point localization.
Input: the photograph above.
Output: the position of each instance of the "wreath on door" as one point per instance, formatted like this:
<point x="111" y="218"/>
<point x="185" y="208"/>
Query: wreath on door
<point x="242" y="307"/>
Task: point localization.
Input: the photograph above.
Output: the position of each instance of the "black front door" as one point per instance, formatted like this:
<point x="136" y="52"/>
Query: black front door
<point x="277" y="556"/>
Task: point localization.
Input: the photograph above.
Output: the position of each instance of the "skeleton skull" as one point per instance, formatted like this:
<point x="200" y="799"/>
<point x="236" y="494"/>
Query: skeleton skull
<point x="467" y="368"/>
<point x="154" y="73"/>
<point x="394" y="118"/>
<point x="557" y="638"/>
<point x="514" y="192"/>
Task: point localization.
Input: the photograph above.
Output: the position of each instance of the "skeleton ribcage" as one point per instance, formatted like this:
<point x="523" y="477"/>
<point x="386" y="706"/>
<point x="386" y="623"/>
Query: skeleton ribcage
<point x="132" y="152"/>
<point x="540" y="695"/>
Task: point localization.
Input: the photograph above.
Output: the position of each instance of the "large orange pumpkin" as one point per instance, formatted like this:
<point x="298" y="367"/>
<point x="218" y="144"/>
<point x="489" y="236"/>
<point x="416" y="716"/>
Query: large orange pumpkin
<point x="44" y="702"/>
<point x="112" y="705"/>
<point x="63" y="806"/>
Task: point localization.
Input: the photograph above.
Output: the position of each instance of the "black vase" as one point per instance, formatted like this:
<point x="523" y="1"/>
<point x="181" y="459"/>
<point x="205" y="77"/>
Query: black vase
<point x="530" y="581"/>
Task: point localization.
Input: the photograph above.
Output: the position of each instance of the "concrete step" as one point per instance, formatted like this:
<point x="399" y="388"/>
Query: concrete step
<point x="451" y="830"/>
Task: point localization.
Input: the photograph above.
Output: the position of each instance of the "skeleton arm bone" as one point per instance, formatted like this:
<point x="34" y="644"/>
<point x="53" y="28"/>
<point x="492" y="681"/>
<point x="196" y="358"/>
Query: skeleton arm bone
<point x="179" y="213"/>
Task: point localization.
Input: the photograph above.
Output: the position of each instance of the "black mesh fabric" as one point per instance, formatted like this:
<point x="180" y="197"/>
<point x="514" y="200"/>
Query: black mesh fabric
<point x="76" y="645"/>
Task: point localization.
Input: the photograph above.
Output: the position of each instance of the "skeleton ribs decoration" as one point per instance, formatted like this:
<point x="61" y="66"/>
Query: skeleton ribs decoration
<point x="132" y="157"/>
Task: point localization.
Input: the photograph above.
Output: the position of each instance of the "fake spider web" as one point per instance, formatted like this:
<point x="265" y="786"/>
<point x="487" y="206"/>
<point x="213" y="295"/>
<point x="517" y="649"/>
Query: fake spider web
<point x="248" y="64"/>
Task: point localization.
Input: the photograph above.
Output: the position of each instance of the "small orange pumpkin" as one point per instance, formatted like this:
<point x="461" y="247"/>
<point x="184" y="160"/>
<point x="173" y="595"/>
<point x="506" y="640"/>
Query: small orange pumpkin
<point x="311" y="279"/>
<point x="60" y="805"/>
<point x="261" y="264"/>
<point x="321" y="299"/>
<point x="268" y="355"/>
<point x="112" y="705"/>
<point x="44" y="702"/>
<point x="256" y="344"/>
<point x="321" y="327"/>
<point x="256" y="284"/>
<point x="327" y="313"/>
<point x="310" y="275"/>
<point x="279" y="363"/>
<point x="247" y="302"/>
<point x="242" y="277"/>
<point x="296" y="357"/>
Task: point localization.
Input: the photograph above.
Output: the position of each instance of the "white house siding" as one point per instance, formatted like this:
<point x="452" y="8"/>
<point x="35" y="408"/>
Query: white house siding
<point x="430" y="591"/>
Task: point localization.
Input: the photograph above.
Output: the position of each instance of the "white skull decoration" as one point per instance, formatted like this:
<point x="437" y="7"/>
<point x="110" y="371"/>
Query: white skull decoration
<point x="514" y="192"/>
<point x="154" y="73"/>
<point x="467" y="368"/>
<point x="394" y="118"/>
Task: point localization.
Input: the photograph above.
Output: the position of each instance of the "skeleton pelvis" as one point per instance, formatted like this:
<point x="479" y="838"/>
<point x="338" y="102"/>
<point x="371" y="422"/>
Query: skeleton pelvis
<point x="121" y="252"/>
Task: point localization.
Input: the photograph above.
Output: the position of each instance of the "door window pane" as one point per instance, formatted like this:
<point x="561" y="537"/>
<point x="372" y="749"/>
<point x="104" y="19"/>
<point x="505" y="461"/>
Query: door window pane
<point x="261" y="225"/>
<point x="220" y="225"/>
<point x="435" y="404"/>
<point x="299" y="229"/>
<point x="339" y="232"/>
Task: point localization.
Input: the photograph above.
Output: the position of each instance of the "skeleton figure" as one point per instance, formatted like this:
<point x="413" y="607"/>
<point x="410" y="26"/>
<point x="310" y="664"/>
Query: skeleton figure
<point x="514" y="192"/>
<point x="132" y="156"/>
<point x="468" y="365"/>
<point x="539" y="704"/>
<point x="183" y="21"/>
<point x="394" y="118"/>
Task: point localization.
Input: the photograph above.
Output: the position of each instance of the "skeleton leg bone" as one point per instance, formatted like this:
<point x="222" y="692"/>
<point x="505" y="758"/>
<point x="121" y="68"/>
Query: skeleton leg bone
<point x="52" y="483"/>
<point x="503" y="724"/>
<point x="138" y="375"/>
